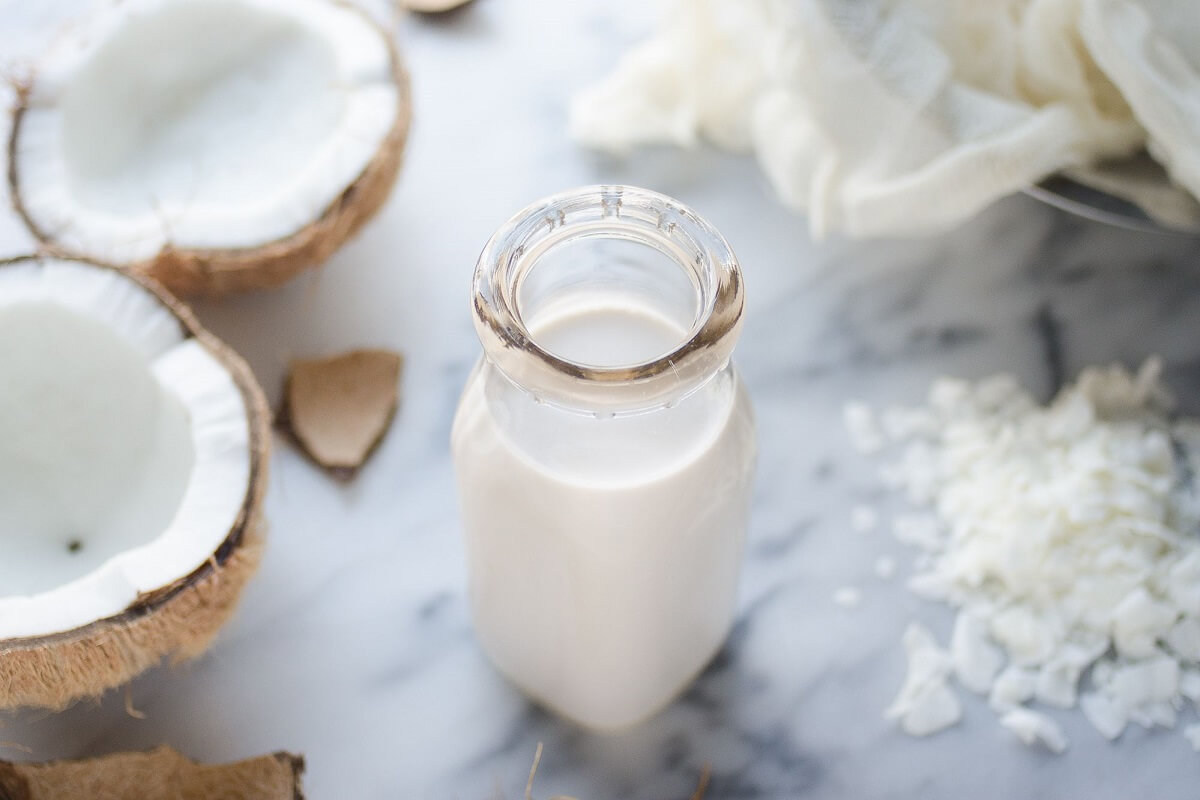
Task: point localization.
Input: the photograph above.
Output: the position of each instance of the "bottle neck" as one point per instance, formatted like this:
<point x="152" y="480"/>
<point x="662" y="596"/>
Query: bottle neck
<point x="608" y="299"/>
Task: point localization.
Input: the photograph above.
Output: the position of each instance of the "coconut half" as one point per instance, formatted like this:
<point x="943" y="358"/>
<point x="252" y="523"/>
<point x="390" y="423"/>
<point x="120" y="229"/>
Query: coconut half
<point x="133" y="455"/>
<point x="215" y="146"/>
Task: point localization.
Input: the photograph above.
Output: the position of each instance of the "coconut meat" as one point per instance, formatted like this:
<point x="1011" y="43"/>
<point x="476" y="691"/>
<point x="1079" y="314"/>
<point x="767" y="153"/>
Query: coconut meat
<point x="218" y="125"/>
<point x="124" y="447"/>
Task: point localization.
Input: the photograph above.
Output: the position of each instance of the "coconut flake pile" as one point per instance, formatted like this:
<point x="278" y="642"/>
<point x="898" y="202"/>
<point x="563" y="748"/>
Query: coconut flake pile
<point x="1065" y="536"/>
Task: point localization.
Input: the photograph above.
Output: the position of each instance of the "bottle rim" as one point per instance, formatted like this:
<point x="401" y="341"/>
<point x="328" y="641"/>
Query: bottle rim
<point x="619" y="212"/>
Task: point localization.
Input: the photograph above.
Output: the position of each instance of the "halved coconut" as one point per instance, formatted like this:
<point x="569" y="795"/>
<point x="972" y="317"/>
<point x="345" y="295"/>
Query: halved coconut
<point x="215" y="146"/>
<point x="133" y="455"/>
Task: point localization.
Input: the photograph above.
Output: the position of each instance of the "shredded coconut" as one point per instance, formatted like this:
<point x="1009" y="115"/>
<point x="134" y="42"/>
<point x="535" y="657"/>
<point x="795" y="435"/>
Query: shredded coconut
<point x="1192" y="734"/>
<point x="1189" y="684"/>
<point x="1066" y="537"/>
<point x="925" y="704"/>
<point x="1031" y="727"/>
<point x="1012" y="687"/>
<point x="976" y="660"/>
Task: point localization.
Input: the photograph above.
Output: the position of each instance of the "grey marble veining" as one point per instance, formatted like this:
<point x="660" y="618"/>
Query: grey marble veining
<point x="353" y="645"/>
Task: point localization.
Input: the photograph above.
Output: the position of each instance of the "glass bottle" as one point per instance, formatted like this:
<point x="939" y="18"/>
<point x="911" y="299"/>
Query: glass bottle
<point x="604" y="451"/>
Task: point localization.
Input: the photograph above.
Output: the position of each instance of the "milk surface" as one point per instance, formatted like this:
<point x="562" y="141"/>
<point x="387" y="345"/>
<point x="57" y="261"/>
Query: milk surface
<point x="603" y="550"/>
<point x="605" y="330"/>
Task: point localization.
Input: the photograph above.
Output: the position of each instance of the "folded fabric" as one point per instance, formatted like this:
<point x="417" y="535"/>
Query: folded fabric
<point x="1143" y="182"/>
<point x="1150" y="49"/>
<point x="882" y="117"/>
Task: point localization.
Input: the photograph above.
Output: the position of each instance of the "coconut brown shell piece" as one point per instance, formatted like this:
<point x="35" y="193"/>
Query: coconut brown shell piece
<point x="161" y="774"/>
<point x="215" y="272"/>
<point x="432" y="6"/>
<point x="339" y="408"/>
<point x="177" y="621"/>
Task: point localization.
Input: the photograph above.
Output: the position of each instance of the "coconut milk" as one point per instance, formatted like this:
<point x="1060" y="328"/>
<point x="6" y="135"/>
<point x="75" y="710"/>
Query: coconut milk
<point x="604" y="549"/>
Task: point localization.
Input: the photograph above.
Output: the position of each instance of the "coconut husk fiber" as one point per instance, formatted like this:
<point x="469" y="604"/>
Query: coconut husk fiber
<point x="160" y="774"/>
<point x="339" y="408"/>
<point x="54" y="671"/>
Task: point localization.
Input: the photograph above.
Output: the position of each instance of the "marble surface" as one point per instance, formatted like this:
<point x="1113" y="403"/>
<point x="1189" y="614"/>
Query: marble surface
<point x="353" y="645"/>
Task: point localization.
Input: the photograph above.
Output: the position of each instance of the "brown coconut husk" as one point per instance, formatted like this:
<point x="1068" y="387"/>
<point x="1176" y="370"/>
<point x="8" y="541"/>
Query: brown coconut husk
<point x="338" y="409"/>
<point x="214" y="272"/>
<point x="160" y="774"/>
<point x="177" y="621"/>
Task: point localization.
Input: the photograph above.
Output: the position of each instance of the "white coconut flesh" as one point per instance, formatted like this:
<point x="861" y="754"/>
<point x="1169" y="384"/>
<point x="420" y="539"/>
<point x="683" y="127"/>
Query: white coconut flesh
<point x="125" y="450"/>
<point x="224" y="124"/>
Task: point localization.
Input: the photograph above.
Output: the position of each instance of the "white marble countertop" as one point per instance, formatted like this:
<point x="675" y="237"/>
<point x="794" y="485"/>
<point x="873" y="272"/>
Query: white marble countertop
<point x="353" y="645"/>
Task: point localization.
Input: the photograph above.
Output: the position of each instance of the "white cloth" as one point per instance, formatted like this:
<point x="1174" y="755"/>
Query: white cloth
<point x="884" y="117"/>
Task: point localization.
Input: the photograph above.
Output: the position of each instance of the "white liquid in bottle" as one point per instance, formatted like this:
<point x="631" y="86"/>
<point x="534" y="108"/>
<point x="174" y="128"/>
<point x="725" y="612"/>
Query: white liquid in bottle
<point x="604" y="550"/>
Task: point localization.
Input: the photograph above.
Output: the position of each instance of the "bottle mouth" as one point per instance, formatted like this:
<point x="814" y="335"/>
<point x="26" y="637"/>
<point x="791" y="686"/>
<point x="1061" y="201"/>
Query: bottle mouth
<point x="685" y="266"/>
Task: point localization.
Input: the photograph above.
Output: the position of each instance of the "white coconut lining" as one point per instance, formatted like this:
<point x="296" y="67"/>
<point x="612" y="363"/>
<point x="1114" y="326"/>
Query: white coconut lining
<point x="170" y="593"/>
<point x="96" y="452"/>
<point x="217" y="146"/>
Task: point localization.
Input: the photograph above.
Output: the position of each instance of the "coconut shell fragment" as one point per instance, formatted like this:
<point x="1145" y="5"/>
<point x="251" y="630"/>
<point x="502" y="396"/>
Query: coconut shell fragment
<point x="432" y="6"/>
<point x="160" y="774"/>
<point x="339" y="408"/>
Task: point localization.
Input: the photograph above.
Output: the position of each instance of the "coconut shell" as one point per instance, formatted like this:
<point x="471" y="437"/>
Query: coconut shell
<point x="432" y="6"/>
<point x="177" y="621"/>
<point x="160" y="774"/>
<point x="339" y="408"/>
<point x="214" y="272"/>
